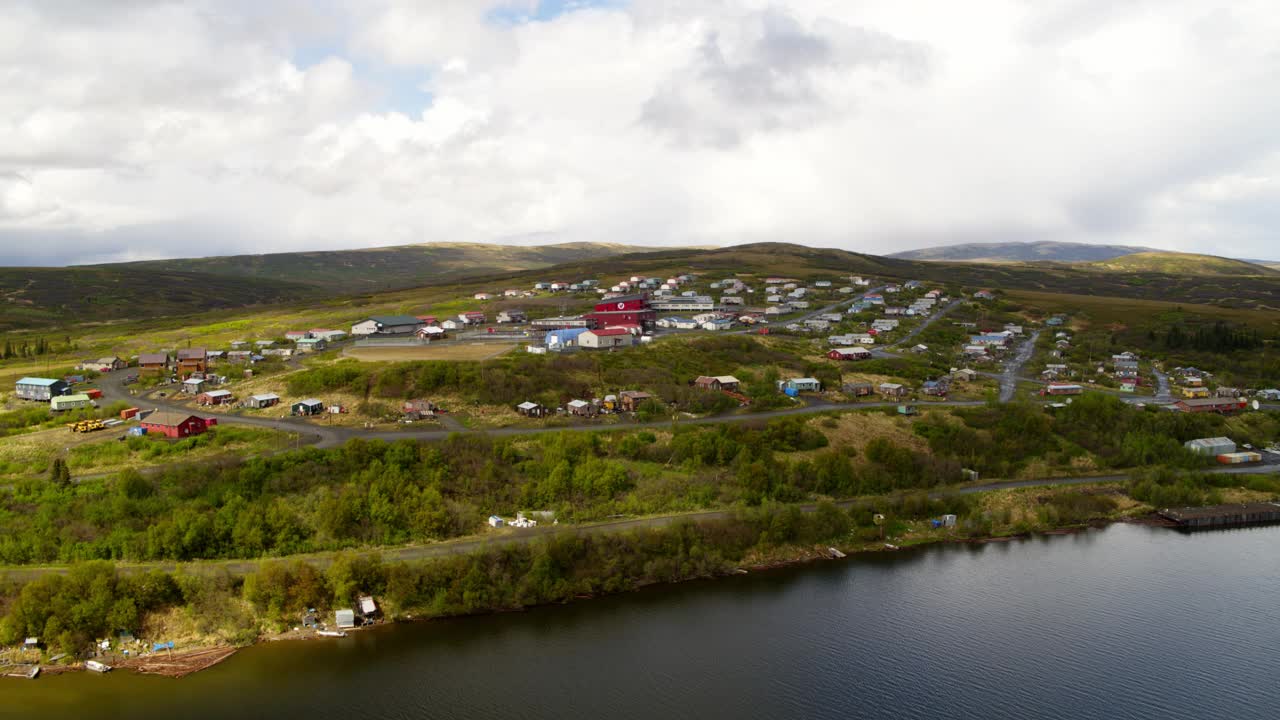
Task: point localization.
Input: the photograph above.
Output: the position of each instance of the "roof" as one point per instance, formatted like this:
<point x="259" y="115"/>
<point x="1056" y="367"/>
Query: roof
<point x="395" y="319"/>
<point x="1208" y="402"/>
<point x="167" y="419"/>
<point x="191" y="354"/>
<point x="78" y="397"/>
<point x="265" y="396"/>
<point x="610" y="331"/>
<point x="193" y="381"/>
<point x="218" y="393"/>
<point x="526" y="405"/>
<point x="578" y="403"/>
<point x="726" y="379"/>
<point x="42" y="382"/>
<point x="803" y="380"/>
<point x="310" y="341"/>
<point x="309" y="401"/>
<point x="107" y="360"/>
<point x="150" y="358"/>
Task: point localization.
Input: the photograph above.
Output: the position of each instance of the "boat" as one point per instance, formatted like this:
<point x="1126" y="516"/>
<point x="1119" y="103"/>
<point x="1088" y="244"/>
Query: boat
<point x="331" y="633"/>
<point x="96" y="666"/>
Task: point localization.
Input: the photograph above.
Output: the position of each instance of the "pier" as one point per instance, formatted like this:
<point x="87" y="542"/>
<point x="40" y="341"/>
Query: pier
<point x="1218" y="516"/>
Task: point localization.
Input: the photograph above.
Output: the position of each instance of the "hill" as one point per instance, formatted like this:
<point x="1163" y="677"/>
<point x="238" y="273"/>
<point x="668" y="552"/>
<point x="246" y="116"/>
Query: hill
<point x="42" y="297"/>
<point x="1181" y="263"/>
<point x="1021" y="252"/>
<point x="385" y="268"/>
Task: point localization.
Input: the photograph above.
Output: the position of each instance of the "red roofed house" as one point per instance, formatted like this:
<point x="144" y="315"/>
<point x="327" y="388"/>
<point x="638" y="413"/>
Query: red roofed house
<point x="175" y="424"/>
<point x="605" y="338"/>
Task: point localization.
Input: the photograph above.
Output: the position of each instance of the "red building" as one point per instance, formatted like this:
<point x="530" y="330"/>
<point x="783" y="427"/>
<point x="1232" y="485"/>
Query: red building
<point x="625" y="310"/>
<point x="174" y="424"/>
<point x="1218" y="405"/>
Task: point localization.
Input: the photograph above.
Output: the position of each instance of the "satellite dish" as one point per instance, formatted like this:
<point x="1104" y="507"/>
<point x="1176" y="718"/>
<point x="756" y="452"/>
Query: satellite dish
<point x="1069" y="400"/>
<point x="1256" y="405"/>
<point x="877" y="519"/>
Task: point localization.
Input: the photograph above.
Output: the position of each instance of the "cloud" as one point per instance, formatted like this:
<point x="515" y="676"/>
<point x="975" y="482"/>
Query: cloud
<point x="251" y="127"/>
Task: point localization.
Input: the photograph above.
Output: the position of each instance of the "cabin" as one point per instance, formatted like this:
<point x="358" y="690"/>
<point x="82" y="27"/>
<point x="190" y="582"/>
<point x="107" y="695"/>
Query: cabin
<point x="296" y="335"/>
<point x="512" y="316"/>
<point x="311" y="344"/>
<point x="799" y="385"/>
<point x="581" y="408"/>
<point x="193" y="386"/>
<point x="345" y="619"/>
<point x="174" y="424"/>
<point x="154" y="362"/>
<point x="717" y="382"/>
<point x="857" y="389"/>
<point x="965" y="374"/>
<point x="63" y="403"/>
<point x="472" y="317"/>
<point x="192" y="360"/>
<point x="1063" y="389"/>
<point x="310" y="406"/>
<point x="1224" y="406"/>
<point x="893" y="390"/>
<point x="215" y="397"/>
<point x="531" y="409"/>
<point x="935" y="388"/>
<point x="605" y="338"/>
<point x="40" y="389"/>
<point x="630" y="400"/>
<point x="265" y="400"/>
<point x="847" y="353"/>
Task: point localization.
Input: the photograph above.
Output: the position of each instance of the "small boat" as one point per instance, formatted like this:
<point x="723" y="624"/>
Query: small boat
<point x="835" y="553"/>
<point x="890" y="546"/>
<point x="331" y="633"/>
<point x="96" y="666"/>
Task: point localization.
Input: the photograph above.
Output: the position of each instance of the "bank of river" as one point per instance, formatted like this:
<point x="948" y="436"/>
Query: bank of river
<point x="1126" y="621"/>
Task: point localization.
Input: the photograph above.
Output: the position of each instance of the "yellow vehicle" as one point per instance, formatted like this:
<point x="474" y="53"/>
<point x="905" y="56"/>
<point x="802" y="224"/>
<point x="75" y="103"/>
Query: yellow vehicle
<point x="84" y="426"/>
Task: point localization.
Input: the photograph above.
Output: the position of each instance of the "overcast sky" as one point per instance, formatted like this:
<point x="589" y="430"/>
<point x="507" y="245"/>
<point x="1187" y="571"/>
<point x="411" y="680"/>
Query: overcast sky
<point x="136" y="129"/>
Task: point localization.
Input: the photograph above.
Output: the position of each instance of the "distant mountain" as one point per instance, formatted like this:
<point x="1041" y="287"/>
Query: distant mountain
<point x="385" y="268"/>
<point x="1181" y="263"/>
<point x="1021" y="252"/>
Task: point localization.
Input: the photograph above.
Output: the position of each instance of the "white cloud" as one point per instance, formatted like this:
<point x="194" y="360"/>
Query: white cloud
<point x="868" y="125"/>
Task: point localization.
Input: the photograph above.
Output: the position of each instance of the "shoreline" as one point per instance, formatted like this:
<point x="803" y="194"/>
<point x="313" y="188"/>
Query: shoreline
<point x="181" y="664"/>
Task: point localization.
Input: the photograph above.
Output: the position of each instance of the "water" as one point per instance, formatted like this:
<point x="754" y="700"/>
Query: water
<point x="1126" y="622"/>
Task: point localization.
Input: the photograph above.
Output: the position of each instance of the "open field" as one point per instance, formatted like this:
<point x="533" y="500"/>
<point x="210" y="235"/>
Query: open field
<point x="436" y="351"/>
<point x="1134" y="311"/>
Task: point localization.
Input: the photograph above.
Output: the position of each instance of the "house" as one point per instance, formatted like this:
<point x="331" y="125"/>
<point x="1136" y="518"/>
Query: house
<point x="965" y="374"/>
<point x="935" y="388"/>
<point x="265" y="400"/>
<point x="984" y="295"/>
<point x="781" y="309"/>
<point x="605" y="338"/>
<point x="920" y="348"/>
<point x="192" y="360"/>
<point x="431" y="332"/>
<point x="418" y="409"/>
<point x="1195" y="392"/>
<point x="327" y="334"/>
<point x="192" y="386"/>
<point x="685" y="303"/>
<point x="849" y="353"/>
<point x="108" y="364"/>
<point x="174" y="424"/>
<point x="215" y="397"/>
<point x="717" y="382"/>
<point x="40" y="389"/>
<point x="153" y="362"/>
<point x="263" y="343"/>
<point x="451" y="325"/>
<point x="570" y="321"/>
<point x="310" y="406"/>
<point x="1227" y="392"/>
<point x="531" y="409"/>
<point x="60" y="403"/>
<point x="387" y="325"/>
<point x="630" y="400"/>
<point x="732" y="300"/>
<point x="1218" y="405"/>
<point x="512" y="316"/>
<point x="1212" y="447"/>
<point x="238" y="356"/>
<point x="472" y="317"/>
<point x="495" y="521"/>
<point x="1062" y="389"/>
<point x="995" y="340"/>
<point x="677" y="323"/>
<point x="1269" y="394"/>
<point x="311" y="344"/>
<point x="296" y="335"/>
<point x="893" y="390"/>
<point x="799" y="385"/>
<point x="857" y="389"/>
<point x="581" y="408"/>
<point x="560" y="339"/>
<point x="482" y="296"/>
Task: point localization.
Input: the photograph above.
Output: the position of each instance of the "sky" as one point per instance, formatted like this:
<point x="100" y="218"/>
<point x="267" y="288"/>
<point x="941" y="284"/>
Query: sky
<point x="138" y="129"/>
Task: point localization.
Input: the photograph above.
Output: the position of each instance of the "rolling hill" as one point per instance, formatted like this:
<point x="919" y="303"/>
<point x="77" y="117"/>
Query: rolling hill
<point x="385" y="268"/>
<point x="1181" y="263"/>
<point x="1021" y="252"/>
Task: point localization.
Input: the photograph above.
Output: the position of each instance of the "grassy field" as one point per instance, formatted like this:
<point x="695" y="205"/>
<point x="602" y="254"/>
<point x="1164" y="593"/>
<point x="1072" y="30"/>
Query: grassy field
<point x="435" y="351"/>
<point x="31" y="454"/>
<point x="1134" y="311"/>
<point x="1182" y="263"/>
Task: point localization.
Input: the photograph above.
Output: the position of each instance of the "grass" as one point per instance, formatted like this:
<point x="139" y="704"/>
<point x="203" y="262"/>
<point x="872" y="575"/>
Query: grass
<point x="435" y="351"/>
<point x="1182" y="263"/>
<point x="101" y="452"/>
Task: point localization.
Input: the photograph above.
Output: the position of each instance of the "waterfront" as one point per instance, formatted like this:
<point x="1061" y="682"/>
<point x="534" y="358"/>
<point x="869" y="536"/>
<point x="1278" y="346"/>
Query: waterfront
<point x="1127" y="621"/>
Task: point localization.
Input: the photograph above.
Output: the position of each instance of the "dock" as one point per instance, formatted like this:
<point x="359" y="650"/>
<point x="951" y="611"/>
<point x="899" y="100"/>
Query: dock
<point x="1221" y="516"/>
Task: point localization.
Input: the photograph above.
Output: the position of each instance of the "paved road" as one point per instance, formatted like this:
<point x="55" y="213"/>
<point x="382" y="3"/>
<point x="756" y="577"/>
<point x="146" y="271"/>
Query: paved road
<point x="1163" y="395"/>
<point x="921" y="327"/>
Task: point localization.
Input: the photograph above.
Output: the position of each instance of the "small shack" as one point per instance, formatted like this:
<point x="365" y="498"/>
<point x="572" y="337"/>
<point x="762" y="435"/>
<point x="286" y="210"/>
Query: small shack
<point x="629" y="400"/>
<point x="893" y="390"/>
<point x="310" y="406"/>
<point x="215" y="397"/>
<point x="857" y="389"/>
<point x="581" y="408"/>
<point x="531" y="409"/>
<point x="345" y="618"/>
<point x="264" y="400"/>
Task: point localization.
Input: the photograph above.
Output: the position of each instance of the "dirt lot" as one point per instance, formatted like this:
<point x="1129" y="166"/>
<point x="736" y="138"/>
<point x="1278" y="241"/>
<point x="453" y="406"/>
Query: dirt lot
<point x="441" y="351"/>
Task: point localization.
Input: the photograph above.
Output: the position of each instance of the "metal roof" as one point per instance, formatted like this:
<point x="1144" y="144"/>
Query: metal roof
<point x="395" y="319"/>
<point x="41" y="382"/>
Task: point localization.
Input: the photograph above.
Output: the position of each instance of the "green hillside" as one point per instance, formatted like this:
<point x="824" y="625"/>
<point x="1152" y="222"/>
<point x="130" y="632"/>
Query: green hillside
<point x="386" y="268"/>
<point x="1179" y="263"/>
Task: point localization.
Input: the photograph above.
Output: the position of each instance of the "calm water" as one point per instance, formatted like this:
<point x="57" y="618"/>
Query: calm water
<point x="1127" y="622"/>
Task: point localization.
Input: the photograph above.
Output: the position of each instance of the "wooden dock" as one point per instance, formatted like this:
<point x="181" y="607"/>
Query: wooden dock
<point x="1221" y="516"/>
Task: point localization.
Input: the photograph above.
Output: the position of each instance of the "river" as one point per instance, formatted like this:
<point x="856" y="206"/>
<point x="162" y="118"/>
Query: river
<point x="1123" y="622"/>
